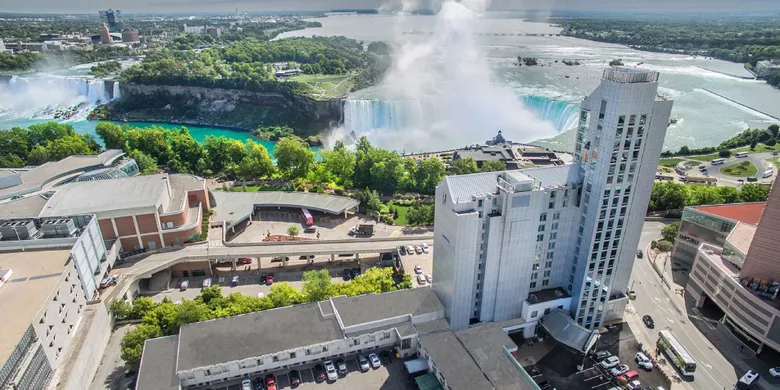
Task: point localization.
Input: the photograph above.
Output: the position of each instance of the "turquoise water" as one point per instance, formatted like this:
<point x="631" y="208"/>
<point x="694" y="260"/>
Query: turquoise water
<point x="199" y="133"/>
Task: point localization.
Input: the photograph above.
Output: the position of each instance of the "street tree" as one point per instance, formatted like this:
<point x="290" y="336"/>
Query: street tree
<point x="493" y="166"/>
<point x="293" y="157"/>
<point x="316" y="285"/>
<point x="293" y="231"/>
<point x="340" y="163"/>
<point x="463" y="166"/>
<point x="669" y="232"/>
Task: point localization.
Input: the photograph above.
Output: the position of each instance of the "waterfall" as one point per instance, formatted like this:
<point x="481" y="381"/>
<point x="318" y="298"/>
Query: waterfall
<point x="116" y="94"/>
<point x="564" y="116"/>
<point x="54" y="97"/>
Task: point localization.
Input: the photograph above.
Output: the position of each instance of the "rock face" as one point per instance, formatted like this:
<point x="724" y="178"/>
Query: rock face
<point x="225" y="108"/>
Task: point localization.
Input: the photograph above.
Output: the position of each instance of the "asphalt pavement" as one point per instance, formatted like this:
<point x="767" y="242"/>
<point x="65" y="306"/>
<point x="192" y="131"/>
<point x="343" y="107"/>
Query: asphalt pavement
<point x="758" y="159"/>
<point x="668" y="309"/>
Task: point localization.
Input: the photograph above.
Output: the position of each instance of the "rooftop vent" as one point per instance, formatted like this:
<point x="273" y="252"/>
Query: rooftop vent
<point x="58" y="228"/>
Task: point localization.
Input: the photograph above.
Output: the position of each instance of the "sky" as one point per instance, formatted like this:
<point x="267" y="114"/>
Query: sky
<point x="138" y="6"/>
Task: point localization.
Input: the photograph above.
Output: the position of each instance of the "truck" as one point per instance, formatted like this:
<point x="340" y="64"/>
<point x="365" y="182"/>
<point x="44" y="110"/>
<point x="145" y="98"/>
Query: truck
<point x="364" y="229"/>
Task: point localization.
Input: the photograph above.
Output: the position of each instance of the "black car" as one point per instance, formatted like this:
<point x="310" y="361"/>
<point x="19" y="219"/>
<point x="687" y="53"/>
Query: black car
<point x="384" y="356"/>
<point x="648" y="321"/>
<point x="295" y="378"/>
<point x="310" y="229"/>
<point x="259" y="384"/>
<point x="639" y="254"/>
<point x="341" y="366"/>
<point x="402" y="250"/>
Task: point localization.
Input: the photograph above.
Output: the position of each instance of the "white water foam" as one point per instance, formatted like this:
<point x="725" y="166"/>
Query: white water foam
<point x="48" y="96"/>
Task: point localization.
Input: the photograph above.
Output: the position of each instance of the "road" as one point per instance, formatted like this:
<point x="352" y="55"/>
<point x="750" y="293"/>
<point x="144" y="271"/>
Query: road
<point x="758" y="159"/>
<point x="669" y="312"/>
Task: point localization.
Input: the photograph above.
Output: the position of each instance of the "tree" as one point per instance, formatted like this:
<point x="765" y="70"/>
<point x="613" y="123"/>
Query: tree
<point x="293" y="231"/>
<point x="143" y="306"/>
<point x="316" y="285"/>
<point x="729" y="194"/>
<point x="120" y="309"/>
<point x="133" y="342"/>
<point x="724" y="153"/>
<point x="38" y="155"/>
<point x="293" y="157"/>
<point x="369" y="199"/>
<point x="493" y="166"/>
<point x="753" y="144"/>
<point x="340" y="163"/>
<point x="669" y="232"/>
<point x="463" y="166"/>
<point x="257" y="163"/>
<point x="770" y="142"/>
<point x="146" y="164"/>
<point x="754" y="193"/>
<point x="420" y="214"/>
<point x="283" y="294"/>
<point x="774" y="129"/>
<point x="664" y="246"/>
<point x="429" y="174"/>
<point x="209" y="293"/>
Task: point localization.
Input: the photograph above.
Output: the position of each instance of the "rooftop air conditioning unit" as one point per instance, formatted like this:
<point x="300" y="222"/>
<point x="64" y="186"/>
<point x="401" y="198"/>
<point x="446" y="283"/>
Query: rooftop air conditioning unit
<point x="58" y="228"/>
<point x="533" y="298"/>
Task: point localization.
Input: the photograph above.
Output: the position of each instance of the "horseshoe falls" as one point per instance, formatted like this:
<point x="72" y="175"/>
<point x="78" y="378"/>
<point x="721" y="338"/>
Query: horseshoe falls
<point x="364" y="115"/>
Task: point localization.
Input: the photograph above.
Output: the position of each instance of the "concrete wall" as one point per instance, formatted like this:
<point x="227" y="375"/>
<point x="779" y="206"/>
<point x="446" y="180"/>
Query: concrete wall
<point x="147" y="223"/>
<point x="92" y="348"/>
<point x="107" y="228"/>
<point x="761" y="260"/>
<point x="177" y="219"/>
<point x="125" y="226"/>
<point x="177" y="271"/>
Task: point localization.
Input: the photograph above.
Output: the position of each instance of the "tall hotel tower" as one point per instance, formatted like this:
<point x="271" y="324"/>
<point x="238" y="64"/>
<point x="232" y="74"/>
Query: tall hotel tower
<point x="527" y="242"/>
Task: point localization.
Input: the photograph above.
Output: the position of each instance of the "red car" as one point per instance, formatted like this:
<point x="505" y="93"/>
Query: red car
<point x="269" y="279"/>
<point x="244" y="260"/>
<point x="270" y="382"/>
<point x="319" y="374"/>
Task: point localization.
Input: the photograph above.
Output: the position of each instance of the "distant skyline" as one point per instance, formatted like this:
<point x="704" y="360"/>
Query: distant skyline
<point x="228" y="6"/>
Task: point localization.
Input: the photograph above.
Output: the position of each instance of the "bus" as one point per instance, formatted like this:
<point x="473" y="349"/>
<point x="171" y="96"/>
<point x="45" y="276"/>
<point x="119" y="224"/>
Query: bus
<point x="718" y="161"/>
<point x="662" y="177"/>
<point x="748" y="381"/>
<point x="700" y="180"/>
<point x="741" y="155"/>
<point x="676" y="353"/>
<point x="307" y="217"/>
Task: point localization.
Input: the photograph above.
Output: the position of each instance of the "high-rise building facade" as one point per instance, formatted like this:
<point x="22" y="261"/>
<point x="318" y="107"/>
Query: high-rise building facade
<point x="105" y="35"/>
<point x="525" y="242"/>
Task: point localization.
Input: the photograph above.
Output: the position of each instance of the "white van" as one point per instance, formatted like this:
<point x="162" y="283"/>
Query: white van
<point x="741" y="155"/>
<point x="718" y="161"/>
<point x="768" y="173"/>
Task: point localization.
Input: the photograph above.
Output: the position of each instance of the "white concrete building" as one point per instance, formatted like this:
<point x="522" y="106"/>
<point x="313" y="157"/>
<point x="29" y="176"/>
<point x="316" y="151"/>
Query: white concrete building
<point x="503" y="236"/>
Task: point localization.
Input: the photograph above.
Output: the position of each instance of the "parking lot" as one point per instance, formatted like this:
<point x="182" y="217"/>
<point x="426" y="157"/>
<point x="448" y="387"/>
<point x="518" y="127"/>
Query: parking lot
<point x="424" y="260"/>
<point x="559" y="366"/>
<point x="391" y="376"/>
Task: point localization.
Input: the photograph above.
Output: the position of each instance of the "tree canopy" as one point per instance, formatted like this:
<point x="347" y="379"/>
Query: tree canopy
<point x="41" y="143"/>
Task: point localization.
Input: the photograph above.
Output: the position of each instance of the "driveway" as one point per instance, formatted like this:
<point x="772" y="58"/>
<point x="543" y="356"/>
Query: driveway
<point x="110" y="373"/>
<point x="757" y="159"/>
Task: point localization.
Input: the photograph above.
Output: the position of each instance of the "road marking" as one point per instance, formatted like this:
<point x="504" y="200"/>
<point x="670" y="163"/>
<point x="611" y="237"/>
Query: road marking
<point x="670" y="320"/>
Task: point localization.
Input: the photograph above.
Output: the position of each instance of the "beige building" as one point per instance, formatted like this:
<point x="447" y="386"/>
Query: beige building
<point x="740" y="280"/>
<point x="105" y="35"/>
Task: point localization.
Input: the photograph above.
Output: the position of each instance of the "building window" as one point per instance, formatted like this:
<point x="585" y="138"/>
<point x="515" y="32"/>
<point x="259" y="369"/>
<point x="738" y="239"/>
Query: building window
<point x="406" y="343"/>
<point x="553" y="235"/>
<point x="539" y="237"/>
<point x="536" y="267"/>
<point x="533" y="284"/>
<point x="292" y="355"/>
<point x="548" y="264"/>
<point x="276" y="358"/>
<point x="545" y="282"/>
<point x="479" y="203"/>
<point x="554" y="226"/>
<point x="546" y="274"/>
<point x="543" y="217"/>
<point x="550" y="255"/>
<point x="534" y="275"/>
<point x="551" y="246"/>
<point x="356" y="341"/>
<point x="551" y="205"/>
<point x="534" y="314"/>
<point x="556" y="216"/>
<point x="308" y="352"/>
<point x="541" y="228"/>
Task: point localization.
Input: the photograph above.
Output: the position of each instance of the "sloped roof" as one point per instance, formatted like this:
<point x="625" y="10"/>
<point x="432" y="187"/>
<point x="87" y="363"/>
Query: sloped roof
<point x="743" y="212"/>
<point x="566" y="331"/>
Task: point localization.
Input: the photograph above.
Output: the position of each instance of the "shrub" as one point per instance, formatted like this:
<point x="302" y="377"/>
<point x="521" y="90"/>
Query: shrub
<point x="664" y="246"/>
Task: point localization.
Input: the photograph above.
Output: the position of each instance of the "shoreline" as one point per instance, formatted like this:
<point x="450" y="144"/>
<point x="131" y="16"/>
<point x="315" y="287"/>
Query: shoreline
<point x="741" y="104"/>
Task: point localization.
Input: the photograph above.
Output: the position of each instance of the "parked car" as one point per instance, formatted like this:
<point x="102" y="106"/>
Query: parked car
<point x="648" y="321"/>
<point x="244" y="260"/>
<point x="269" y="279"/>
<point x="109" y="281"/>
<point x="421" y="280"/>
<point x="354" y="272"/>
<point x="639" y="254"/>
<point x="629" y="376"/>
<point x="130" y="372"/>
<point x="410" y="249"/>
<point x="234" y="281"/>
<point x="207" y="282"/>
<point x="752" y="178"/>
<point x="429" y="278"/>
<point x="310" y="229"/>
<point x="775" y="372"/>
<point x="319" y="374"/>
<point x="295" y="378"/>
<point x="425" y="248"/>
<point x="618" y="370"/>
<point x="609" y="362"/>
<point x="375" y="363"/>
<point x="402" y="250"/>
<point x="270" y="382"/>
<point x="418" y="249"/>
<point x="185" y="285"/>
<point x="384" y="356"/>
<point x="346" y="275"/>
<point x="543" y="385"/>
<point x="634" y="385"/>
<point x="418" y="269"/>
<point x="259" y="384"/>
<point x="363" y="363"/>
<point x="330" y="370"/>
<point x="341" y="365"/>
<point x="246" y="384"/>
<point x="601" y="355"/>
<point x="643" y="361"/>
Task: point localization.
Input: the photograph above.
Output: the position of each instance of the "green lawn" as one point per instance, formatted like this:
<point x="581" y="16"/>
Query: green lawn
<point x="670" y="162"/>
<point x="325" y="86"/>
<point x="745" y="168"/>
<point x="775" y="160"/>
<point x="705" y="158"/>
<point x="402" y="210"/>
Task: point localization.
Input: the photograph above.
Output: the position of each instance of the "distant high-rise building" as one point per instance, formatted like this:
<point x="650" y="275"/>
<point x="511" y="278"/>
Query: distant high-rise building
<point x="215" y="32"/>
<point x="2" y="45"/>
<point x="113" y="19"/>
<point x="105" y="35"/>
<point x="130" y="35"/>
<point x="523" y="243"/>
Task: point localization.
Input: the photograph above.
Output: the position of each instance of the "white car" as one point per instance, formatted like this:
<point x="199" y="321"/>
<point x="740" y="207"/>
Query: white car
<point x="643" y="361"/>
<point x="246" y="384"/>
<point x="634" y="385"/>
<point x="421" y="280"/>
<point x="330" y="370"/>
<point x="425" y="248"/>
<point x="409" y="249"/>
<point x="609" y="362"/>
<point x="363" y="363"/>
<point x="418" y="269"/>
<point x="374" y="360"/>
<point x="429" y="278"/>
<point x="619" y="370"/>
<point x="775" y="372"/>
<point x="418" y="249"/>
<point x="207" y="282"/>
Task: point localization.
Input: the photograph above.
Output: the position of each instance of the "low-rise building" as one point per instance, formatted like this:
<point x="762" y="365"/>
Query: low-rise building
<point x="49" y="272"/>
<point x="740" y="280"/>
<point x="411" y="321"/>
<point x="514" y="155"/>
<point x="767" y="68"/>
<point x="711" y="224"/>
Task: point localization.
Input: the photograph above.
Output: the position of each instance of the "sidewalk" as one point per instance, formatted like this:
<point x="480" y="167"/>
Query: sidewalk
<point x="635" y="323"/>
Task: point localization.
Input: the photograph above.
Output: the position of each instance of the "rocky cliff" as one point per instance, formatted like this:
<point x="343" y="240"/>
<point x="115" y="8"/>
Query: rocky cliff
<point x="224" y="108"/>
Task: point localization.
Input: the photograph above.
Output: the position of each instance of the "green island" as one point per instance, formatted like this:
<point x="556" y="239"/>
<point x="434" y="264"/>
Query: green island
<point x="738" y="39"/>
<point x="744" y="168"/>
